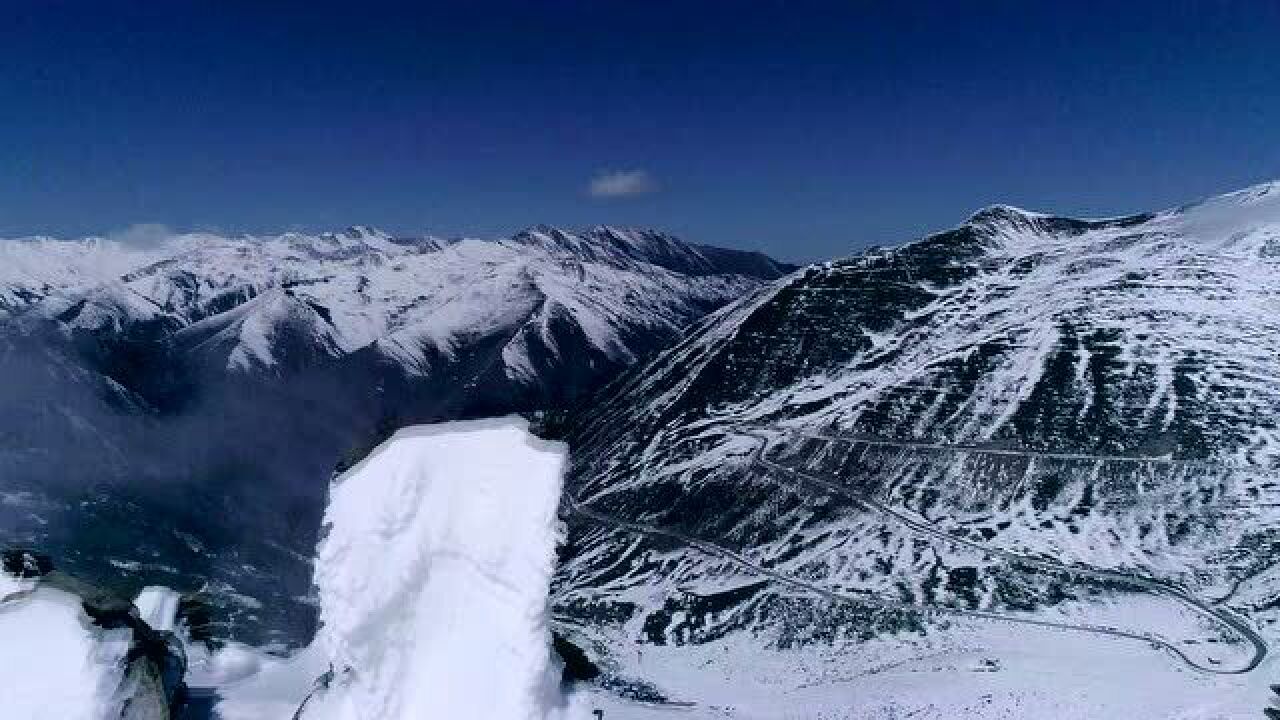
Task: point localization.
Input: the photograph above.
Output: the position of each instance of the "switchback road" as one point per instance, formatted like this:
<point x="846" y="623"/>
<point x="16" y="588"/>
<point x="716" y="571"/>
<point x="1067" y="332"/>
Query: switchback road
<point x="759" y="458"/>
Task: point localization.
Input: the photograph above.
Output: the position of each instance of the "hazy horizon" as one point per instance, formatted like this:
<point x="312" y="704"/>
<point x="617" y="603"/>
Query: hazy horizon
<point x="805" y="130"/>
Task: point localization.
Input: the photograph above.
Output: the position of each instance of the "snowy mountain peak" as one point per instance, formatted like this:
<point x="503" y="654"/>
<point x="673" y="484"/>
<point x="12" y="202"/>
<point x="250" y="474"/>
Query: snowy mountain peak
<point x="1003" y="213"/>
<point x="1003" y="222"/>
<point x="622" y="247"/>
<point x="360" y="232"/>
<point x="1264" y="193"/>
<point x="1257" y="203"/>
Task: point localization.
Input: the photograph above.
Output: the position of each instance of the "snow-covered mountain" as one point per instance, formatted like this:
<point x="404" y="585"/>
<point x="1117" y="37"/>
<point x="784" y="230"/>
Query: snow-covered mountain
<point x="169" y="405"/>
<point x="411" y="300"/>
<point x="1025" y="466"/>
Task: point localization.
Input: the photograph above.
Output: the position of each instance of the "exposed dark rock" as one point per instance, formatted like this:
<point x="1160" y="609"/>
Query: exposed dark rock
<point x="25" y="563"/>
<point x="577" y="666"/>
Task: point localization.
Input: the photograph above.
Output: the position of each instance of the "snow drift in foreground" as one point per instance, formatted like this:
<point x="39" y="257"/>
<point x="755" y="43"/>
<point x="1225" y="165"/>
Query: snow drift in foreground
<point x="433" y="582"/>
<point x="55" y="665"/>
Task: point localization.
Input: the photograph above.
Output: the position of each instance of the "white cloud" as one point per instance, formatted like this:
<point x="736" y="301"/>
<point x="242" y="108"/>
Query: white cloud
<point x="142" y="235"/>
<point x="624" y="183"/>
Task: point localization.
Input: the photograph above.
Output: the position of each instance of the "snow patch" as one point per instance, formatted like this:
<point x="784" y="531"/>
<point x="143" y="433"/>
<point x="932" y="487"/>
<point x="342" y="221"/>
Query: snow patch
<point x="433" y="581"/>
<point x="55" y="664"/>
<point x="158" y="607"/>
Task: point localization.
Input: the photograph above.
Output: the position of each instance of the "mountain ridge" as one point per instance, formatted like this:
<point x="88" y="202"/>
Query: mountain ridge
<point x="1028" y="417"/>
<point x="213" y="381"/>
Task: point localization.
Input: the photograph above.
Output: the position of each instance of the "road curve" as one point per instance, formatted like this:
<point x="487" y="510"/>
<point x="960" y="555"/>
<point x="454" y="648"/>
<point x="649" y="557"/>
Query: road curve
<point x="575" y="507"/>
<point x="1153" y="585"/>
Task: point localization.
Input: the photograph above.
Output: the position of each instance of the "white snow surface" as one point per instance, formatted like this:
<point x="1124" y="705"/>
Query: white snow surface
<point x="158" y="607"/>
<point x="55" y="665"/>
<point x="433" y="580"/>
<point x="978" y="671"/>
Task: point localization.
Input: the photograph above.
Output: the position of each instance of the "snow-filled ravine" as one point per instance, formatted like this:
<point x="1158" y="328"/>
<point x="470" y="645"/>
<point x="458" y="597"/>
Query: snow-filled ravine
<point x="433" y="580"/>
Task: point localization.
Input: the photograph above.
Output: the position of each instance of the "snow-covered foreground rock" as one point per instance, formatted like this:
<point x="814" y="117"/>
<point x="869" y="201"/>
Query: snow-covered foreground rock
<point x="54" y="666"/>
<point x="433" y="580"/>
<point x="71" y="652"/>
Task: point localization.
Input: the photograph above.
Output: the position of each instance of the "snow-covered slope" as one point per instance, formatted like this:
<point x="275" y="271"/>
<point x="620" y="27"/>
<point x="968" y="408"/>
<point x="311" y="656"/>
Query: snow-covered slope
<point x="69" y="651"/>
<point x="55" y="666"/>
<point x="1064" y="426"/>
<point x="433" y="580"/>
<point x="176" y="408"/>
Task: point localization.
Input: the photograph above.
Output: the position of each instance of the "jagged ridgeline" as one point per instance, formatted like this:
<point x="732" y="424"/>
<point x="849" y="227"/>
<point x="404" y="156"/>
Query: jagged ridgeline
<point x="172" y="413"/>
<point x="1028" y="417"/>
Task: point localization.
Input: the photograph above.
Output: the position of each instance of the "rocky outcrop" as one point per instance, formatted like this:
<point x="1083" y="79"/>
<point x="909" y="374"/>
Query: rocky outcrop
<point x="151" y="668"/>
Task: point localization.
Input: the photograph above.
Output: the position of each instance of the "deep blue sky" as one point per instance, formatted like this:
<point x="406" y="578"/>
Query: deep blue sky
<point x="804" y="129"/>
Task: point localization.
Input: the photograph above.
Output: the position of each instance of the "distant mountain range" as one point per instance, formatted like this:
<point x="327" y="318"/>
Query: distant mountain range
<point x="177" y="408"/>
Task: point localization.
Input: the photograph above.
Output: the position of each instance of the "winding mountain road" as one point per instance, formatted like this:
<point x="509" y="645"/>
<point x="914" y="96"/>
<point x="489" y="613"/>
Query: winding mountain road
<point x="759" y="458"/>
<point x="921" y="527"/>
